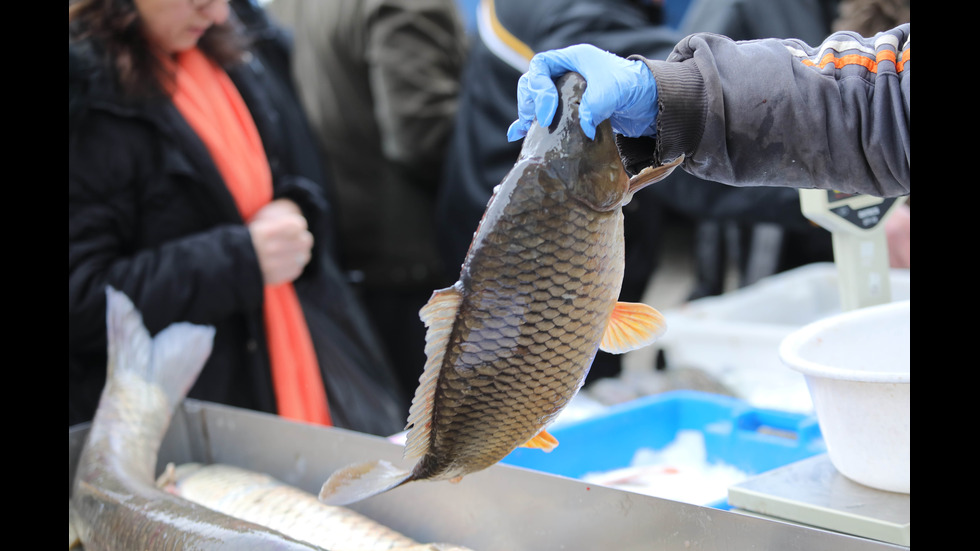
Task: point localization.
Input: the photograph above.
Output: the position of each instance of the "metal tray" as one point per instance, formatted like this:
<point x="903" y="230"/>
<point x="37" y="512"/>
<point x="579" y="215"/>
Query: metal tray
<point x="502" y="508"/>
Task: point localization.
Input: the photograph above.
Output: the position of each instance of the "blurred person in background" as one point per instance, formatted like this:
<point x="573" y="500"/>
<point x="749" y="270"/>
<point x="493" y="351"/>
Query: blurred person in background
<point x="184" y="194"/>
<point x="379" y="80"/>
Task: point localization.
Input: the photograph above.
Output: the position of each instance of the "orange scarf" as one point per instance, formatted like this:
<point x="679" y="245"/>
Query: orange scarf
<point x="211" y="104"/>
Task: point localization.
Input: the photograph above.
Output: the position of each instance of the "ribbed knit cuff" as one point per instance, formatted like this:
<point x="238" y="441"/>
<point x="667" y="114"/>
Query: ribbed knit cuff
<point x="682" y="107"/>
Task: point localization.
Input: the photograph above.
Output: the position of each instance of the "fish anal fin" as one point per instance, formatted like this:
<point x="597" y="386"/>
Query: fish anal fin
<point x="632" y="325"/>
<point x="542" y="441"/>
<point x="439" y="315"/>
<point x="361" y="480"/>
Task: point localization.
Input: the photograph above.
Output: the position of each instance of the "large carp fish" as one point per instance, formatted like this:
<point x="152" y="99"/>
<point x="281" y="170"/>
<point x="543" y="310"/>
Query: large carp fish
<point x="511" y="342"/>
<point x="115" y="503"/>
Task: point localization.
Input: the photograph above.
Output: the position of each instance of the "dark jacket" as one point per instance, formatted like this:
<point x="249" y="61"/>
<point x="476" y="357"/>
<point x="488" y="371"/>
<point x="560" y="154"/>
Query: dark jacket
<point x="479" y="154"/>
<point x="379" y="80"/>
<point x="149" y="214"/>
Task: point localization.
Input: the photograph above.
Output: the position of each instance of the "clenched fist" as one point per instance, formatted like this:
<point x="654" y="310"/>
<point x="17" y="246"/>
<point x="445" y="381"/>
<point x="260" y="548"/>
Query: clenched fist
<point x="282" y="241"/>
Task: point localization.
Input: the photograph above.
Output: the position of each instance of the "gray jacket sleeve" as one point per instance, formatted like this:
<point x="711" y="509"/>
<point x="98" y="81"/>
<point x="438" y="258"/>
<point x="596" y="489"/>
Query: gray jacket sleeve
<point x="781" y="113"/>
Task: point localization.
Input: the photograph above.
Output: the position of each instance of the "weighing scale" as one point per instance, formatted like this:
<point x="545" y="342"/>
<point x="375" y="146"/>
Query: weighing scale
<point x="857" y="227"/>
<point x="812" y="491"/>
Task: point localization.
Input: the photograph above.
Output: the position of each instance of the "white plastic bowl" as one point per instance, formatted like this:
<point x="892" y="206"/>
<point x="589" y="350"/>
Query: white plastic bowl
<point x="858" y="372"/>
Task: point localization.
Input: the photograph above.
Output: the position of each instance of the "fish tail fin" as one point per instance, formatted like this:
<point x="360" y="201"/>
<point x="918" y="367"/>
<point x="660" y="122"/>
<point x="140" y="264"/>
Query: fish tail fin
<point x="172" y="360"/>
<point x="360" y="481"/>
<point x="632" y="326"/>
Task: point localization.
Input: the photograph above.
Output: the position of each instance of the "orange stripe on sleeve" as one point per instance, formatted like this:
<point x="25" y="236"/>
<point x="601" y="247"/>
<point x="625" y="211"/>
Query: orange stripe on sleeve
<point x="857" y="59"/>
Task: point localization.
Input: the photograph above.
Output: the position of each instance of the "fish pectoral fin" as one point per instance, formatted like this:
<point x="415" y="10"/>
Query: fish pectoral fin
<point x="167" y="478"/>
<point x="653" y="174"/>
<point x="362" y="480"/>
<point x="632" y="325"/>
<point x="542" y="441"/>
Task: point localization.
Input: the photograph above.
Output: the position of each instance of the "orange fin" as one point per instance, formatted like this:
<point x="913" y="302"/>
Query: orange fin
<point x="438" y="314"/>
<point x="543" y="441"/>
<point x="632" y="325"/>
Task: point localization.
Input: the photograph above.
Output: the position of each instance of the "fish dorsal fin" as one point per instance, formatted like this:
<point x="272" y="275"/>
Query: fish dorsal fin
<point x="631" y="326"/>
<point x="438" y="315"/>
<point x="542" y="441"/>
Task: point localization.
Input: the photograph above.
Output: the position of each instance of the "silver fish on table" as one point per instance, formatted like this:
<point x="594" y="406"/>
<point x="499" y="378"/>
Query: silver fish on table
<point x="115" y="503"/>
<point x="512" y="341"/>
<point x="265" y="500"/>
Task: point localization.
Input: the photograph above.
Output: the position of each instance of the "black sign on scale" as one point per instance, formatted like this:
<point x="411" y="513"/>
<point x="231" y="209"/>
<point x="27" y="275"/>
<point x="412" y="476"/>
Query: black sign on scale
<point x="857" y="209"/>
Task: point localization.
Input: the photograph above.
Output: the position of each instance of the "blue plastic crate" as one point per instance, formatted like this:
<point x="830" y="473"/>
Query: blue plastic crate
<point x="750" y="439"/>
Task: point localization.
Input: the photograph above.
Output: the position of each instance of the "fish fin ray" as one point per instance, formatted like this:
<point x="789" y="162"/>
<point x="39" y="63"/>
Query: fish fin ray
<point x="653" y="174"/>
<point x="360" y="481"/>
<point x="167" y="478"/>
<point x="74" y="537"/>
<point x="542" y="441"/>
<point x="438" y="314"/>
<point x="632" y="325"/>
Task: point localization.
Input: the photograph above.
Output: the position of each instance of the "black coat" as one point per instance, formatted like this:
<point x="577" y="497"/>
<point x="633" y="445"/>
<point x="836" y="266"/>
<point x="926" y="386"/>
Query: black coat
<point x="149" y="214"/>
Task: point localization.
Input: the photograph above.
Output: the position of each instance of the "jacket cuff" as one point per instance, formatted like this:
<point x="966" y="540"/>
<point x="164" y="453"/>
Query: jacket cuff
<point x="682" y="106"/>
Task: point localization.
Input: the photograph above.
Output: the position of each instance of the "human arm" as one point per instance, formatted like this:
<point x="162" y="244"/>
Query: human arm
<point x="757" y="113"/>
<point x="898" y="233"/>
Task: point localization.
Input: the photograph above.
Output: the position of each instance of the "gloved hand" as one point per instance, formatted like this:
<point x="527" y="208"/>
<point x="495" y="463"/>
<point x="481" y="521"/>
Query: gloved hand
<point x="618" y="89"/>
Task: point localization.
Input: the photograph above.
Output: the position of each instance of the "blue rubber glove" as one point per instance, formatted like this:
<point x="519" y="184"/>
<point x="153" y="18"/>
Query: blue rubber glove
<point x="618" y="89"/>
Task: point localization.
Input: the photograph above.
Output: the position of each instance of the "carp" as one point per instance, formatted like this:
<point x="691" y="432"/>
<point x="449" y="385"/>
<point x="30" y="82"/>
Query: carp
<point x="511" y="342"/>
<point x="115" y="503"/>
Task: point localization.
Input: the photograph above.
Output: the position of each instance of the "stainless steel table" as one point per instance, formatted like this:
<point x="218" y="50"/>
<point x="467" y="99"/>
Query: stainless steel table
<point x="502" y="508"/>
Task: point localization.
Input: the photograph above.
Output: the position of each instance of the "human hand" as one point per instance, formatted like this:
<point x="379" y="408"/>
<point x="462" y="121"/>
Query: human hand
<point x="282" y="242"/>
<point x="618" y="89"/>
<point x="898" y="234"/>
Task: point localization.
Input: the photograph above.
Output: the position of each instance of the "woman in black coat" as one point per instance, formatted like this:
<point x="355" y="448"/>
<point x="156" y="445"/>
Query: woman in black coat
<point x="150" y="213"/>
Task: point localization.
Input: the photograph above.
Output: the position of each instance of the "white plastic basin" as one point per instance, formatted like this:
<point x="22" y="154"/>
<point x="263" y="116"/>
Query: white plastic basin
<point x="858" y="372"/>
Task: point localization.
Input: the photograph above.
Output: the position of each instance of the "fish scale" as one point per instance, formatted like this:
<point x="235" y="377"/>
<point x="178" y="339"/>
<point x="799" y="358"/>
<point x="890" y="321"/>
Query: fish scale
<point x="511" y="342"/>
<point x="535" y="264"/>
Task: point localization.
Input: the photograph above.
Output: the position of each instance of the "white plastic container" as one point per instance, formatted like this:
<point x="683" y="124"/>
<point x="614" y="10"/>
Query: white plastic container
<point x="735" y="337"/>
<point x="858" y="371"/>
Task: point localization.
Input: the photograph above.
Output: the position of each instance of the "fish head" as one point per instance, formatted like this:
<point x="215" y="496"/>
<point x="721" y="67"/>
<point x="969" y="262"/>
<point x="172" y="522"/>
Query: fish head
<point x="591" y="169"/>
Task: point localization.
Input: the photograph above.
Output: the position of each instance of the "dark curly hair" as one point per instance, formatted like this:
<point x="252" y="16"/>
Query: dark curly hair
<point x="115" y="28"/>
